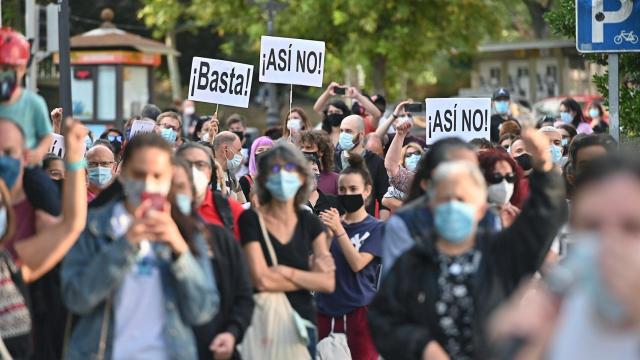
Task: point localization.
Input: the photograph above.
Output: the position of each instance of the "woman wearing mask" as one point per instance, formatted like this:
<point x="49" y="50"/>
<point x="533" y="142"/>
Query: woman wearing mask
<point x="400" y="167"/>
<point x="292" y="233"/>
<point x="295" y="122"/>
<point x="568" y="132"/>
<point x="259" y="146"/>
<point x="435" y="302"/>
<point x="507" y="189"/>
<point x="332" y="111"/>
<point x="317" y="143"/>
<point x="218" y="337"/>
<point x="519" y="153"/>
<point x="356" y="248"/>
<point x="410" y="155"/>
<point x="571" y="113"/>
<point x="319" y="201"/>
<point x="598" y="124"/>
<point x="116" y="139"/>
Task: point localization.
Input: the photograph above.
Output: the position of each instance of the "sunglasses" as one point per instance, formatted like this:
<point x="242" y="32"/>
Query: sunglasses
<point x="113" y="138"/>
<point x="497" y="178"/>
<point x="289" y="167"/>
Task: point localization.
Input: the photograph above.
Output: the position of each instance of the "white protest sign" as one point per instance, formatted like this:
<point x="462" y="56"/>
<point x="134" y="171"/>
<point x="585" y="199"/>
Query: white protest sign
<point x="464" y="118"/>
<point x="220" y="82"/>
<point x="291" y="61"/>
<point x="57" y="146"/>
<point x="141" y="126"/>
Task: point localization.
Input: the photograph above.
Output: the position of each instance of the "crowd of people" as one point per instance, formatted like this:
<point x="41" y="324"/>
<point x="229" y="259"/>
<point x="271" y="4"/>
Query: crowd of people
<point x="347" y="239"/>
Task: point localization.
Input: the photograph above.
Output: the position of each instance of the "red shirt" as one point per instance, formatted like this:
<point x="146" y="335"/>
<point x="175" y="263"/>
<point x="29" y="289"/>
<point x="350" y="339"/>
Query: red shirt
<point x="25" y="227"/>
<point x="210" y="214"/>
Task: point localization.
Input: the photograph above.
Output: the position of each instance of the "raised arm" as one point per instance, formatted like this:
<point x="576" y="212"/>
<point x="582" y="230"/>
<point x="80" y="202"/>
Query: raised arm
<point x="393" y="159"/>
<point x="41" y="252"/>
<point x="371" y="108"/>
<point x="384" y="127"/>
<point x="324" y="98"/>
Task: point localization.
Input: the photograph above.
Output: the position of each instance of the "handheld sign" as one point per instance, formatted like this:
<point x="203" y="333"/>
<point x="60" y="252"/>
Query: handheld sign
<point x="465" y="118"/>
<point x="57" y="146"/>
<point x="291" y="61"/>
<point x="141" y="126"/>
<point x="220" y="82"/>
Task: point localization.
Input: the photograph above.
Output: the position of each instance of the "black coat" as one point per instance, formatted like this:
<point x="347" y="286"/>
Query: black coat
<point x="236" y="291"/>
<point x="403" y="318"/>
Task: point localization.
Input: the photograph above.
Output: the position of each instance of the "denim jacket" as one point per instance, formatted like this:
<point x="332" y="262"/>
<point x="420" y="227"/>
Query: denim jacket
<point x="94" y="269"/>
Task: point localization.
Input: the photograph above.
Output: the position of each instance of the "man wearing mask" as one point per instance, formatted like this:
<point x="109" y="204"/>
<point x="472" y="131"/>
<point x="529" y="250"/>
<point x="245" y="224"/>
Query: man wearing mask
<point x="501" y="102"/>
<point x="100" y="170"/>
<point x="189" y="118"/>
<point x="554" y="137"/>
<point x="228" y="152"/>
<point x="237" y="124"/>
<point x="169" y="127"/>
<point x="351" y="141"/>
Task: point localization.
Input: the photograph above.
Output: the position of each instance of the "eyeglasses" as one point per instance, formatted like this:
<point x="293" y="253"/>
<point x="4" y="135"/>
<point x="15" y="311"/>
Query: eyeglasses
<point x="290" y="167"/>
<point x="167" y="126"/>
<point x="93" y="164"/>
<point x="113" y="138"/>
<point x="200" y="164"/>
<point x="410" y="154"/>
<point x="496" y="178"/>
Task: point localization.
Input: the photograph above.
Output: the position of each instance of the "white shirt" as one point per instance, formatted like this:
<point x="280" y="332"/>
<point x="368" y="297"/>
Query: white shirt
<point x="139" y="302"/>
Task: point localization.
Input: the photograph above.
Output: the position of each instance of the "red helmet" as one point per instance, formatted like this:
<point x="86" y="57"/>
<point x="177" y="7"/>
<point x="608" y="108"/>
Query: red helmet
<point x="14" y="48"/>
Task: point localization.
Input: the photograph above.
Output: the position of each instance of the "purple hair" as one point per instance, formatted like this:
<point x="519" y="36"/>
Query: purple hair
<point x="261" y="141"/>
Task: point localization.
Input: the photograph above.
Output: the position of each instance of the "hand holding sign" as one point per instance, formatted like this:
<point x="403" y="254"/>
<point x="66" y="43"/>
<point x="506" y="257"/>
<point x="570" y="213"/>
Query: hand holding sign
<point x="465" y="118"/>
<point x="291" y="61"/>
<point x="220" y="82"/>
<point x="57" y="146"/>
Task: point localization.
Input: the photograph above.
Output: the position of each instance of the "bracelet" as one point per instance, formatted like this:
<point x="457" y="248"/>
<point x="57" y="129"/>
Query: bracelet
<point x="338" y="236"/>
<point x="394" y="116"/>
<point x="76" y="165"/>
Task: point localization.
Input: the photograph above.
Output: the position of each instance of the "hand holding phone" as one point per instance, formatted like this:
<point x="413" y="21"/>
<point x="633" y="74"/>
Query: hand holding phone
<point x="156" y="200"/>
<point x="340" y="90"/>
<point x="416" y="107"/>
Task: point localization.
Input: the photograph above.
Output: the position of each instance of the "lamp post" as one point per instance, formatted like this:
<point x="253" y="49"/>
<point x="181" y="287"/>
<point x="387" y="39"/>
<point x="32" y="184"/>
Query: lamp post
<point x="273" y="108"/>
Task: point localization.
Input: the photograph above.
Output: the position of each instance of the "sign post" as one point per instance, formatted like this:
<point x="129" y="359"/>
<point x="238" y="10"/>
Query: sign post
<point x="609" y="26"/>
<point x="464" y="118"/>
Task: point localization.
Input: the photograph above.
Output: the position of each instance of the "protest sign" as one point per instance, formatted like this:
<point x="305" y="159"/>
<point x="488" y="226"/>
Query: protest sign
<point x="291" y="61"/>
<point x="57" y="146"/>
<point x="220" y="82"/>
<point x="465" y="118"/>
<point x="142" y="126"/>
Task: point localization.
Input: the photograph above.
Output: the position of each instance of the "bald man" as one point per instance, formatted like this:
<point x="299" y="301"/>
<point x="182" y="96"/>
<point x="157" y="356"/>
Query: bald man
<point x="351" y="141"/>
<point x="100" y="170"/>
<point x="227" y="149"/>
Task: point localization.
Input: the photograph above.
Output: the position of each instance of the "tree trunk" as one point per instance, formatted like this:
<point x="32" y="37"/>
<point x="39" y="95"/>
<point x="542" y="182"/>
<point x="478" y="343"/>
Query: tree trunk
<point x="537" y="10"/>
<point x="174" y="69"/>
<point x="379" y="73"/>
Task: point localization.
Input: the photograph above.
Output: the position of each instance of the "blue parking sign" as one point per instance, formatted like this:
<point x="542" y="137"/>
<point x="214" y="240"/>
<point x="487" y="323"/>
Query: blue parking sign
<point x="607" y="25"/>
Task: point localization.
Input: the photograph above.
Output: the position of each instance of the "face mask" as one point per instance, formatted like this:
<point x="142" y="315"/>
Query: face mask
<point x="565" y="142"/>
<point x="183" y="202"/>
<point x="189" y="110"/>
<point x="169" y="135"/>
<point x="239" y="134"/>
<point x="454" y="221"/>
<point x="205" y="137"/>
<point x="234" y="163"/>
<point x="411" y="163"/>
<point x="403" y="120"/>
<point x="8" y="84"/>
<point x="524" y="161"/>
<point x="133" y="190"/>
<point x="335" y="119"/>
<point x="294" y="125"/>
<point x="346" y="141"/>
<point x="100" y="176"/>
<point x="9" y="170"/>
<point x="351" y="203"/>
<point x="594" y="113"/>
<point x="502" y="107"/>
<point x="200" y="182"/>
<point x="565" y="117"/>
<point x="556" y="154"/>
<point x="283" y="185"/>
<point x="88" y="142"/>
<point x="500" y="194"/>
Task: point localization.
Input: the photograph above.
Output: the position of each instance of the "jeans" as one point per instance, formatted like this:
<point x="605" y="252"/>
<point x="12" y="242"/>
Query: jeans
<point x="313" y="340"/>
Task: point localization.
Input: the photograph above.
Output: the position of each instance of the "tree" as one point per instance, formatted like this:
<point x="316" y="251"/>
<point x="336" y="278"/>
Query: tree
<point x="563" y="22"/>
<point x="537" y="9"/>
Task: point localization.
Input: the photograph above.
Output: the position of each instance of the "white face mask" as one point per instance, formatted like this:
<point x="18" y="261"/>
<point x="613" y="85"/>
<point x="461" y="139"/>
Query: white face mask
<point x="500" y="194"/>
<point x="294" y="124"/>
<point x="205" y="137"/>
<point x="189" y="110"/>
<point x="200" y="182"/>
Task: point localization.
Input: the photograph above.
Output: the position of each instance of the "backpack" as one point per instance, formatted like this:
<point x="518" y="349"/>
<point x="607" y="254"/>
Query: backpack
<point x="15" y="317"/>
<point x="224" y="210"/>
<point x="334" y="346"/>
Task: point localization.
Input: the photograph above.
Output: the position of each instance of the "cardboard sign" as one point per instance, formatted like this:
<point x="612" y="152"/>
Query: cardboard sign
<point x="291" y="61"/>
<point x="220" y="82"/>
<point x="464" y="118"/>
<point x="141" y="126"/>
<point x="57" y="146"/>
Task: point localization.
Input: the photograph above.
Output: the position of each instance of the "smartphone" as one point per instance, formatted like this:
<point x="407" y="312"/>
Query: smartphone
<point x="157" y="200"/>
<point x="414" y="107"/>
<point x="340" y="90"/>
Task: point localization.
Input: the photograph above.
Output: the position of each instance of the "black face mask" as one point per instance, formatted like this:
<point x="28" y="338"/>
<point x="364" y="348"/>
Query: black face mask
<point x="8" y="84"/>
<point x="117" y="146"/>
<point x="335" y="119"/>
<point x="524" y="161"/>
<point x="351" y="203"/>
<point x="240" y="134"/>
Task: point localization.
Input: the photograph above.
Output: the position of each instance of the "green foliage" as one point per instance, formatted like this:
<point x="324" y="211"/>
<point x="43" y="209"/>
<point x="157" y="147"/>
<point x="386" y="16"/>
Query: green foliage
<point x="563" y="22"/>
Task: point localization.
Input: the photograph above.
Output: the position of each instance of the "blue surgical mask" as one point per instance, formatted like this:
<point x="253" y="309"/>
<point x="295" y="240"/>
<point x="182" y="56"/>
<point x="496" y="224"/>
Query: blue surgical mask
<point x="594" y="113"/>
<point x="346" y="141"/>
<point x="454" y="221"/>
<point x="411" y="163"/>
<point x="283" y="185"/>
<point x="566" y="117"/>
<point x="565" y="141"/>
<point x="234" y="163"/>
<point x="556" y="154"/>
<point x="502" y="107"/>
<point x="9" y="170"/>
<point x="183" y="202"/>
<point x="100" y="176"/>
<point x="169" y="135"/>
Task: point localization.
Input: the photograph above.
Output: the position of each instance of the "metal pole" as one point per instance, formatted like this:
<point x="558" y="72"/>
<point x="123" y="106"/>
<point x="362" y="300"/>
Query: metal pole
<point x="273" y="108"/>
<point x="31" y="31"/>
<point x="614" y="98"/>
<point x="64" y="88"/>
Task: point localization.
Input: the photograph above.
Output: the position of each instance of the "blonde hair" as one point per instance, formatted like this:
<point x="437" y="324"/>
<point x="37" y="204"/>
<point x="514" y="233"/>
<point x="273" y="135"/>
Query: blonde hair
<point x="405" y="148"/>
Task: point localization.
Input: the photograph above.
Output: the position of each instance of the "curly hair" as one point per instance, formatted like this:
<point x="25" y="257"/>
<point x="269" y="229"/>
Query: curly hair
<point x="487" y="162"/>
<point x="325" y="148"/>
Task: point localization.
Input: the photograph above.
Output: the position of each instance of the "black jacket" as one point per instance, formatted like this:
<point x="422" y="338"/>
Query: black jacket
<point x="375" y="165"/>
<point x="402" y="317"/>
<point x="236" y="292"/>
